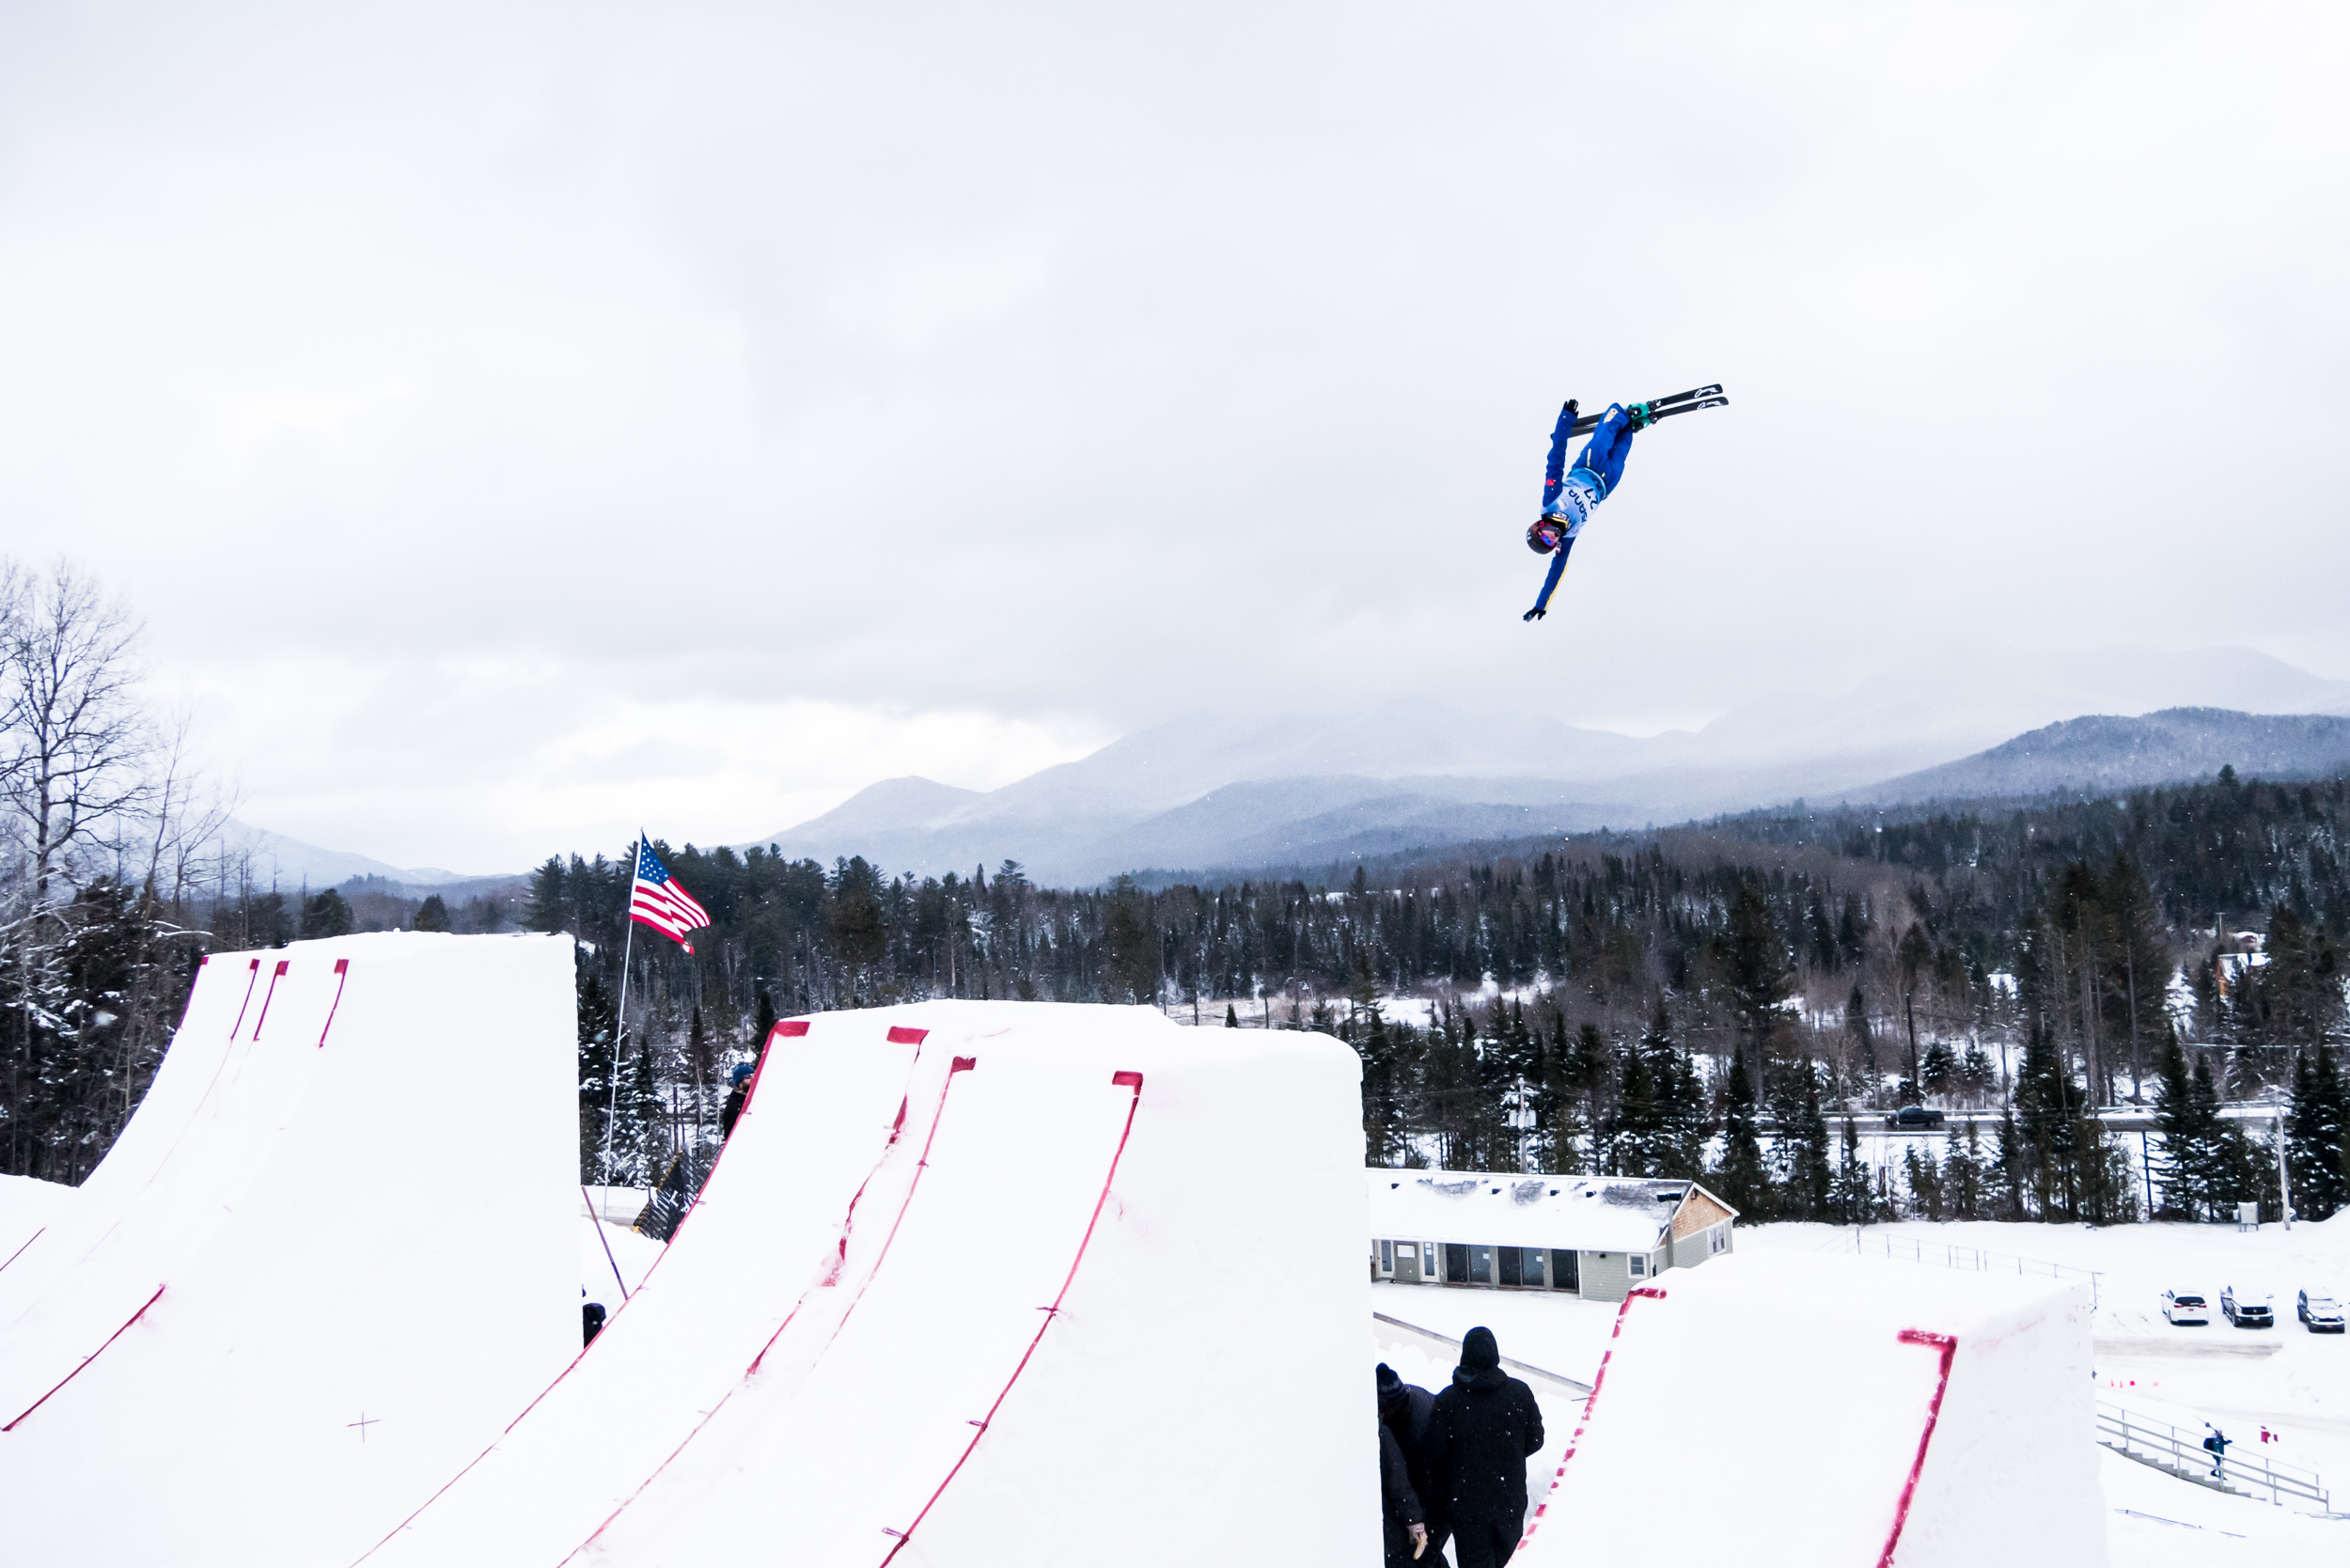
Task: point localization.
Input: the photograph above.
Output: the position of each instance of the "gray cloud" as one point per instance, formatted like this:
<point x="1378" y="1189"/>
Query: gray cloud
<point x="1070" y="367"/>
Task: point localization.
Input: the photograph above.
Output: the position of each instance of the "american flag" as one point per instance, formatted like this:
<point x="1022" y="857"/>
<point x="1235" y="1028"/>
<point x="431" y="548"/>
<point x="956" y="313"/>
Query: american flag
<point x="660" y="901"/>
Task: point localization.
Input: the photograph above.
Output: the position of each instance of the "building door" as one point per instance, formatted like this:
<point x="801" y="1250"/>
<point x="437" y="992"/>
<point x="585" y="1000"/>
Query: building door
<point x="1565" y="1270"/>
<point x="1456" y="1262"/>
<point x="1512" y="1268"/>
<point x="1407" y="1262"/>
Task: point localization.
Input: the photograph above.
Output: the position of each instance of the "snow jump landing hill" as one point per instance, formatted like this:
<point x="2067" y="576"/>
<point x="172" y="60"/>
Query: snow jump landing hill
<point x="1825" y="1410"/>
<point x="975" y="1283"/>
<point x="233" y="1344"/>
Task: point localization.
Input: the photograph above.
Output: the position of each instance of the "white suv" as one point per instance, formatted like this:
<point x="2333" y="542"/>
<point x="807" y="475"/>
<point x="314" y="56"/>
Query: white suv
<point x="2319" y="1312"/>
<point x="2183" y="1307"/>
<point x="2247" y="1310"/>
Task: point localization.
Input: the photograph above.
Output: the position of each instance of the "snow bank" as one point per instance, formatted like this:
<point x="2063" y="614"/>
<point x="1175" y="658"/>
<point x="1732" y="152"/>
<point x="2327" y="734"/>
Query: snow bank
<point x="1780" y="1406"/>
<point x="236" y="1344"/>
<point x="961" y="1291"/>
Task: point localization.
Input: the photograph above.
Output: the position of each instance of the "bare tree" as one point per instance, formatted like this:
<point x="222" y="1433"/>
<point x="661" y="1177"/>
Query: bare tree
<point x="74" y="740"/>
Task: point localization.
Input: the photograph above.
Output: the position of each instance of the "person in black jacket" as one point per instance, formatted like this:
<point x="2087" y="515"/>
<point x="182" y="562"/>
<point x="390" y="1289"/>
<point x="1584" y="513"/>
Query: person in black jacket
<point x="1487" y="1426"/>
<point x="1401" y="1518"/>
<point x="735" y="1096"/>
<point x="1409" y="1411"/>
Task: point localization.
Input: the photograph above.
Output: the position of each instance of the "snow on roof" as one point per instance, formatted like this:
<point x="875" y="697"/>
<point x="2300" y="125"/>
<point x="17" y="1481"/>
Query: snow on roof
<point x="1588" y="1214"/>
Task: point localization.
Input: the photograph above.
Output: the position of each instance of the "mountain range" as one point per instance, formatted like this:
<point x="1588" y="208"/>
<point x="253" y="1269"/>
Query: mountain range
<point x="1205" y="793"/>
<point x="1371" y="776"/>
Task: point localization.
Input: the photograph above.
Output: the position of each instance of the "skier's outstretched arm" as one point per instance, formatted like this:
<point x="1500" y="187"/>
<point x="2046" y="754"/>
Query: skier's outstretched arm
<point x="1550" y="584"/>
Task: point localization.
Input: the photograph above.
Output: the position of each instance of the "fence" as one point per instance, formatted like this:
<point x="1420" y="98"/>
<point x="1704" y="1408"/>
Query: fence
<point x="1911" y="1248"/>
<point x="2181" y="1453"/>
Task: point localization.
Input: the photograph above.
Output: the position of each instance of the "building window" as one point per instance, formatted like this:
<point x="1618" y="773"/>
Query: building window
<point x="1387" y="1257"/>
<point x="1513" y="1265"/>
<point x="1481" y="1264"/>
<point x="1721" y="1237"/>
<point x="1639" y="1265"/>
<point x="1534" y="1266"/>
<point x="1456" y="1260"/>
<point x="1566" y="1272"/>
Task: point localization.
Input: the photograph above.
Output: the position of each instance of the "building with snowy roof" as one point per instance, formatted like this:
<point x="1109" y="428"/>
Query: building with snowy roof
<point x="1596" y="1236"/>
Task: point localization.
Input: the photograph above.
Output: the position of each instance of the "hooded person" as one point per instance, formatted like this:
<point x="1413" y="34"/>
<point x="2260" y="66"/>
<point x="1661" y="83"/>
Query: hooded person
<point x="1409" y="1411"/>
<point x="1403" y="1523"/>
<point x="735" y="1096"/>
<point x="1487" y="1426"/>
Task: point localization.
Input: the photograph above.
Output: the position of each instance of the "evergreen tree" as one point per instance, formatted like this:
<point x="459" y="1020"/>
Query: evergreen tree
<point x="1802" y="1148"/>
<point x="326" y="914"/>
<point x="1924" y="1181"/>
<point x="1742" y="1178"/>
<point x="763" y="1021"/>
<point x="1965" y="1189"/>
<point x="1755" y="957"/>
<point x="1853" y="1197"/>
<point x="2317" y="1154"/>
<point x="431" y="915"/>
<point x="550" y="907"/>
<point x="598" y="1023"/>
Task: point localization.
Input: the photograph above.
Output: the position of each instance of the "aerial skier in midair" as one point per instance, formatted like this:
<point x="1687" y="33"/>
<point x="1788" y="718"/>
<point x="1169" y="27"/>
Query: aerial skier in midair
<point x="1569" y="494"/>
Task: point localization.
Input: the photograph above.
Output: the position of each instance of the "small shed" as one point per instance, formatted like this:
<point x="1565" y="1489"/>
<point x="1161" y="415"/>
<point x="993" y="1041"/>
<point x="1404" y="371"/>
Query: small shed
<point x="1594" y="1236"/>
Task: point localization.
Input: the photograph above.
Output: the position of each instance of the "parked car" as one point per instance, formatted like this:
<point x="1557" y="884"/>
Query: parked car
<point x="1914" y="1116"/>
<point x="2247" y="1310"/>
<point x="2319" y="1312"/>
<point x="2185" y="1307"/>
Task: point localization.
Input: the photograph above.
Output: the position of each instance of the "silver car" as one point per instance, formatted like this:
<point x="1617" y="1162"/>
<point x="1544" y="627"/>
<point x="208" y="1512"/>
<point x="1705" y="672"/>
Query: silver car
<point x="2319" y="1313"/>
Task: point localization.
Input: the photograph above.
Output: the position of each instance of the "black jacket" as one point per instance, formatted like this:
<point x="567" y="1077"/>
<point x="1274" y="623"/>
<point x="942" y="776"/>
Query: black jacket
<point x="735" y="1097"/>
<point x="1398" y="1502"/>
<point x="1487" y="1426"/>
<point x="1409" y="1411"/>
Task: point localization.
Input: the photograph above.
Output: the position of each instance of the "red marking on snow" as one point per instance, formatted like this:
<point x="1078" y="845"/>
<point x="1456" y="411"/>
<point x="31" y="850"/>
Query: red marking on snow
<point x="1052" y="1316"/>
<point x="789" y="1029"/>
<point x="20" y="1251"/>
<point x="795" y="1026"/>
<point x="1949" y="1348"/>
<point x="1590" y="1400"/>
<point x="901" y="1035"/>
<point x="960" y="1064"/>
<point x="253" y="973"/>
<point x="84" y="1361"/>
<point x="342" y="975"/>
<point x="266" y="995"/>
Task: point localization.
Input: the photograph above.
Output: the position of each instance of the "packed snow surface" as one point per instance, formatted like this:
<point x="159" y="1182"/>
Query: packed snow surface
<point x="236" y="1343"/>
<point x="959" y="1291"/>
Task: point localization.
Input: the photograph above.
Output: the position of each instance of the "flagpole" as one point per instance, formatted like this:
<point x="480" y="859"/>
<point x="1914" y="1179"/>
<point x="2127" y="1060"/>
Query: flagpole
<point x="620" y="1027"/>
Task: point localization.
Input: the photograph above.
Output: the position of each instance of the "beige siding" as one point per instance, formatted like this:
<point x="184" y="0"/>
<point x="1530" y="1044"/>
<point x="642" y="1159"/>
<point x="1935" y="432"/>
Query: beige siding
<point x="1698" y="1212"/>
<point x="1606" y="1276"/>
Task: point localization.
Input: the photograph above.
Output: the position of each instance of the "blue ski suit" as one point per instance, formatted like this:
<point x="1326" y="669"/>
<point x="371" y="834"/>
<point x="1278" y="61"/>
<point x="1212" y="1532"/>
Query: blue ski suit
<point x="1568" y="496"/>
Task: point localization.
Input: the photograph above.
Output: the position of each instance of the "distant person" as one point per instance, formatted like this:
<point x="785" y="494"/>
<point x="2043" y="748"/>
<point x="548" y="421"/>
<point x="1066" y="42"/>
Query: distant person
<point x="1401" y="1521"/>
<point x="1409" y="1411"/>
<point x="590" y="1321"/>
<point x="1487" y="1427"/>
<point x="2218" y="1445"/>
<point x="735" y="1096"/>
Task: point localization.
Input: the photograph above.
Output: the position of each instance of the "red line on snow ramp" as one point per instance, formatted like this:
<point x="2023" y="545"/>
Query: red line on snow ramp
<point x="20" y="1251"/>
<point x="1589" y="1400"/>
<point x="960" y="1065"/>
<point x="1948" y="1345"/>
<point x="788" y="1029"/>
<point x="1052" y="1314"/>
<point x="342" y="978"/>
<point x="83" y="1362"/>
<point x="280" y="973"/>
<point x="253" y="973"/>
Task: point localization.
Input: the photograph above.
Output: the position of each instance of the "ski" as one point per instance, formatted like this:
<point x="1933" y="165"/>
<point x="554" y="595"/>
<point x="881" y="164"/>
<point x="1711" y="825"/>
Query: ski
<point x="1646" y="413"/>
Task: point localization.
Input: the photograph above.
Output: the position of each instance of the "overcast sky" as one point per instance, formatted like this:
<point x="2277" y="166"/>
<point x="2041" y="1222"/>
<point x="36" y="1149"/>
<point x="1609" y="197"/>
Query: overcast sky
<point x="517" y="422"/>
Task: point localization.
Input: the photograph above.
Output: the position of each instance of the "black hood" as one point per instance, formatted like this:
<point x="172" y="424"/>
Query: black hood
<point x="1390" y="1388"/>
<point x="1481" y="1363"/>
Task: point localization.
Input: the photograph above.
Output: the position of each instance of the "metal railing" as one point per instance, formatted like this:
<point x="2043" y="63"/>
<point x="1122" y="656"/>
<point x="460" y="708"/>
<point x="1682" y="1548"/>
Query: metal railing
<point x="2181" y="1453"/>
<point x="1912" y="1250"/>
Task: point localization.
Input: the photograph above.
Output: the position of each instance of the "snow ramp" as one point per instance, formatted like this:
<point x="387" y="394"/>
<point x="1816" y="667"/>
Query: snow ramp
<point x="1834" y="1412"/>
<point x="245" y="1341"/>
<point x="975" y="1283"/>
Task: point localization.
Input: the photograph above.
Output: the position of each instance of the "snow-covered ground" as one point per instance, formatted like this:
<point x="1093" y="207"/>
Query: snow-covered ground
<point x="2293" y="1383"/>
